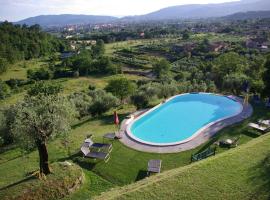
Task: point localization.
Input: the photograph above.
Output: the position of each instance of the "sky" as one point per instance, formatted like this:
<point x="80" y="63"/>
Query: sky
<point x="14" y="10"/>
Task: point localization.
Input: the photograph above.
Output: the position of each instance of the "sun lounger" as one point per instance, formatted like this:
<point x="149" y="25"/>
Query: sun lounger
<point x="93" y="154"/>
<point x="154" y="166"/>
<point x="259" y="127"/>
<point x="101" y="146"/>
<point x="230" y="143"/>
<point x="265" y="122"/>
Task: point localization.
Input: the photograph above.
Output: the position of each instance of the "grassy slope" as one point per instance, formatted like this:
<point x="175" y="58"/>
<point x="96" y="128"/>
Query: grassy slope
<point x="56" y="185"/>
<point x="125" y="165"/>
<point x="242" y="173"/>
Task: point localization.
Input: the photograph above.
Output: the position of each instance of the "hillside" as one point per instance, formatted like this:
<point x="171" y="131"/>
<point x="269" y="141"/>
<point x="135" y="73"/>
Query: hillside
<point x="249" y="15"/>
<point x="242" y="173"/>
<point x="191" y="11"/>
<point x="62" y="20"/>
<point x="204" y="10"/>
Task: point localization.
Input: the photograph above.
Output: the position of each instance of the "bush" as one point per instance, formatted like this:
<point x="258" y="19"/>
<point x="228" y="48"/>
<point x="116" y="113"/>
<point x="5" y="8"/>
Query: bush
<point x="167" y="90"/>
<point x="6" y="121"/>
<point x="82" y="103"/>
<point x="151" y="90"/>
<point x="140" y="100"/>
<point x="161" y="68"/>
<point x="44" y="88"/>
<point x="14" y="83"/>
<point x="40" y="74"/>
<point x="4" y="90"/>
<point x="101" y="102"/>
<point x="3" y="65"/>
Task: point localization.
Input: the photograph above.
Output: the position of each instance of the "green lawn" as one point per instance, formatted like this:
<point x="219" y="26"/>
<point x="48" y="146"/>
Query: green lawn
<point x="124" y="167"/>
<point x="242" y="173"/>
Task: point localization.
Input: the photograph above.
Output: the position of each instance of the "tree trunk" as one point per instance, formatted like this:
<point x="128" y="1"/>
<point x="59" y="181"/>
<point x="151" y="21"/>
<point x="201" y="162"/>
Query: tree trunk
<point x="43" y="158"/>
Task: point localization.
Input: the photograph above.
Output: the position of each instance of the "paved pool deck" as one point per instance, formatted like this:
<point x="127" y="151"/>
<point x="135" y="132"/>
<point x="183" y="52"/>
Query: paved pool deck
<point x="201" y="138"/>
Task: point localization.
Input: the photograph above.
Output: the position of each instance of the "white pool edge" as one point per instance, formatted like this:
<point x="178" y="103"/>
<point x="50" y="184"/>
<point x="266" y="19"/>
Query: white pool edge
<point x="131" y="122"/>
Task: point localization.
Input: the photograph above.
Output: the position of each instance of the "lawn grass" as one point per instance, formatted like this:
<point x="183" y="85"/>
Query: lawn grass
<point x="242" y="173"/>
<point x="125" y="165"/>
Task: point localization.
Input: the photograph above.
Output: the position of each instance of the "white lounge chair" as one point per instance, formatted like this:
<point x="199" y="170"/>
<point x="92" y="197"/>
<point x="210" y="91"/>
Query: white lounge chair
<point x="265" y="122"/>
<point x="259" y="127"/>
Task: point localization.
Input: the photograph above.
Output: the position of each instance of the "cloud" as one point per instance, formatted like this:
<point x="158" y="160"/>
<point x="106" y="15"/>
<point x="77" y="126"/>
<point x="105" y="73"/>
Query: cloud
<point x="18" y="9"/>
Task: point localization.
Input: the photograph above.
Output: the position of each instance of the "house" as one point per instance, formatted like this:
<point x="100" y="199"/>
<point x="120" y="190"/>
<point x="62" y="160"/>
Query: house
<point x="257" y="43"/>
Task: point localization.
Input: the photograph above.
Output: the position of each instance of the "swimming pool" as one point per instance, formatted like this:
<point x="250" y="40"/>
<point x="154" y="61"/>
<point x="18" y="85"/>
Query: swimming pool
<point x="181" y="118"/>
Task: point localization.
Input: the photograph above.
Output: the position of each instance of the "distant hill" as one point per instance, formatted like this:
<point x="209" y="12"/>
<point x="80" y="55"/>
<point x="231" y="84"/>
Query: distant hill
<point x="192" y="11"/>
<point x="196" y="11"/>
<point x="249" y="15"/>
<point x="67" y="19"/>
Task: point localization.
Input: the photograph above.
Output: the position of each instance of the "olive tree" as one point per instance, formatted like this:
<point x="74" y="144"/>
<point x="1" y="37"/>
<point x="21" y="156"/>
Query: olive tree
<point x="37" y="119"/>
<point x="121" y="87"/>
<point x="101" y="102"/>
<point x="82" y="102"/>
<point x="161" y="68"/>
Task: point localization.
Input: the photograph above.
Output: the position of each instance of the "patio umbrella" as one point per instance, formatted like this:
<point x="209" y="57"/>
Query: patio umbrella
<point x="116" y="119"/>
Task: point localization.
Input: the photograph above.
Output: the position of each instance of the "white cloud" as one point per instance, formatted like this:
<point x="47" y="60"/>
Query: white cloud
<point x="18" y="9"/>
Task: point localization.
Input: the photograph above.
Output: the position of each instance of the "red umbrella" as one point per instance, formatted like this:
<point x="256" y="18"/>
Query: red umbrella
<point x="116" y="119"/>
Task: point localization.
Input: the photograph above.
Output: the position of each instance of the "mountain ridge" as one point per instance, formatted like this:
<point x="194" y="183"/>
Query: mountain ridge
<point x="190" y="11"/>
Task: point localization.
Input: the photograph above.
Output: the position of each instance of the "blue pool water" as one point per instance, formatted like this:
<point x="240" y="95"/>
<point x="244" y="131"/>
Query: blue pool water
<point x="181" y="117"/>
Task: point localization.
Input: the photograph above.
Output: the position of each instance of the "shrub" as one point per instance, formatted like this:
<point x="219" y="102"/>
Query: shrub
<point x="40" y="74"/>
<point x="44" y="88"/>
<point x="4" y="90"/>
<point x="82" y="103"/>
<point x="140" y="100"/>
<point x="3" y="65"/>
<point x="101" y="102"/>
<point x="167" y="90"/>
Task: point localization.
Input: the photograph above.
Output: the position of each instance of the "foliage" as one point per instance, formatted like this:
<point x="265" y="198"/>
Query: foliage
<point x="3" y="65"/>
<point x="22" y="42"/>
<point x="266" y="77"/>
<point x="186" y="35"/>
<point x="140" y="100"/>
<point x="44" y="89"/>
<point x="39" y="74"/>
<point x="121" y="87"/>
<point x="85" y="64"/>
<point x="101" y="102"/>
<point x="82" y="102"/>
<point x="161" y="68"/>
<point x="227" y="64"/>
<point x="98" y="49"/>
<point x="167" y="90"/>
<point x="234" y="83"/>
<point x="4" y="90"/>
<point x="40" y="118"/>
